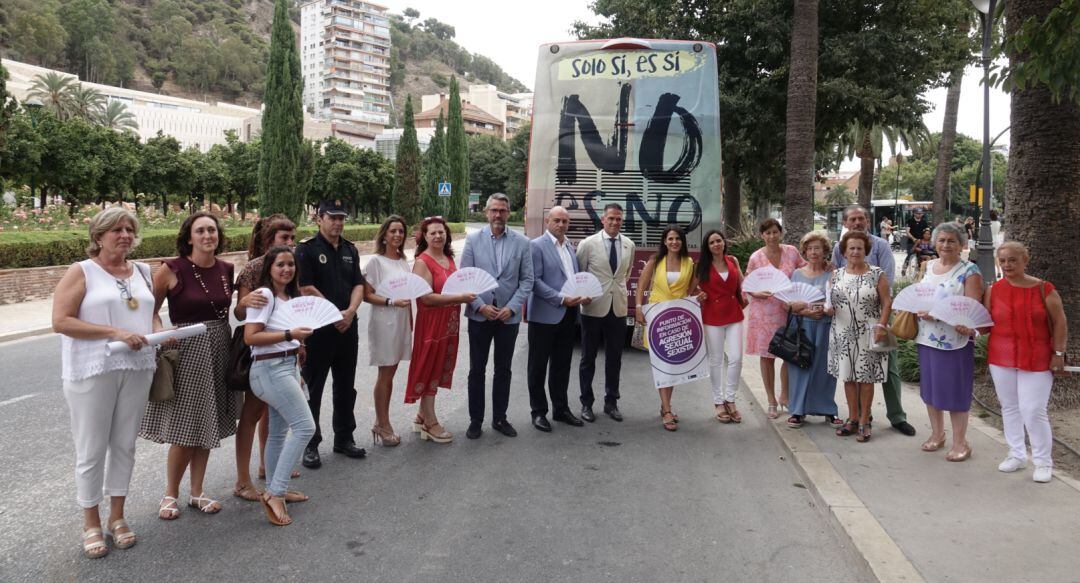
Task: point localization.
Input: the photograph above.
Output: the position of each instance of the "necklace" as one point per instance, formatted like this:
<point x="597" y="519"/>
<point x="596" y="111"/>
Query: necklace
<point x="125" y="294"/>
<point x="222" y="314"/>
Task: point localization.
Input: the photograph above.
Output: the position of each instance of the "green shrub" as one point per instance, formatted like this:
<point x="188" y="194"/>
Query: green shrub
<point x="908" y="363"/>
<point x="45" y="248"/>
<point x="742" y="250"/>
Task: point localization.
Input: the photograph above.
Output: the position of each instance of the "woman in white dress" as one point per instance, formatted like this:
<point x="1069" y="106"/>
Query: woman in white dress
<point x="390" y="324"/>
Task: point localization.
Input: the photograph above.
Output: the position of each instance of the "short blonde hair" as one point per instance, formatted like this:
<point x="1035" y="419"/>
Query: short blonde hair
<point x="814" y="237"/>
<point x="106" y="221"/>
<point x="1016" y="246"/>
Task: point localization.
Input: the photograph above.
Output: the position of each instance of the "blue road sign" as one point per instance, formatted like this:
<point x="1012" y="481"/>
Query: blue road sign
<point x="444" y="189"/>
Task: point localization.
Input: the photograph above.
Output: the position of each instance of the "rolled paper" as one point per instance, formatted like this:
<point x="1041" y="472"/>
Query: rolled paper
<point x="157" y="338"/>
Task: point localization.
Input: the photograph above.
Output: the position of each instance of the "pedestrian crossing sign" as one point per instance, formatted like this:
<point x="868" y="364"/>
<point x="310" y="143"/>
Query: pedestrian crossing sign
<point x="444" y="189"/>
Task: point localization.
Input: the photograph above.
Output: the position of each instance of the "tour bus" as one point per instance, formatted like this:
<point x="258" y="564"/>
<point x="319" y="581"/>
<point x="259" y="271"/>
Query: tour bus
<point x="630" y="121"/>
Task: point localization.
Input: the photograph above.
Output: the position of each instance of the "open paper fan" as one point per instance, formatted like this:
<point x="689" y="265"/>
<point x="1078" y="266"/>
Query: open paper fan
<point x="582" y="285"/>
<point x="962" y="311"/>
<point x="303" y="312"/>
<point x="469" y="280"/>
<point x="920" y="297"/>
<point x="406" y="286"/>
<point x="800" y="292"/>
<point x="765" y="279"/>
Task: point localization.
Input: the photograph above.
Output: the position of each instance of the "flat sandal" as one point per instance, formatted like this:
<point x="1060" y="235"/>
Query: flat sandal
<point x="121" y="540"/>
<point x="96" y="549"/>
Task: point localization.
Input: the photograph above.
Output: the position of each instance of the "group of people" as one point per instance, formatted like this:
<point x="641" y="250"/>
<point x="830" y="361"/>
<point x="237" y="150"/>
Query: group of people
<point x="108" y="297"/>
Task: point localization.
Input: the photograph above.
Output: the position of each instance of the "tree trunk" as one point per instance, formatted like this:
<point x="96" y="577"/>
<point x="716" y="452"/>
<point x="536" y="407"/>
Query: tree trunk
<point x="732" y="203"/>
<point x="1043" y="196"/>
<point x="164" y="206"/>
<point x="866" y="176"/>
<point x="948" y="140"/>
<point x="801" y="107"/>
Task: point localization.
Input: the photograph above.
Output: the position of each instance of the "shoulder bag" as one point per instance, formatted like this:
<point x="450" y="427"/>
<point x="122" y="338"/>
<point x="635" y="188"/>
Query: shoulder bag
<point x="790" y="343"/>
<point x="166" y="361"/>
<point x="239" y="368"/>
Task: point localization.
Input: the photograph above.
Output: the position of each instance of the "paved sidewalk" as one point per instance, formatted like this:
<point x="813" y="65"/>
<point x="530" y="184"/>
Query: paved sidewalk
<point x="916" y="517"/>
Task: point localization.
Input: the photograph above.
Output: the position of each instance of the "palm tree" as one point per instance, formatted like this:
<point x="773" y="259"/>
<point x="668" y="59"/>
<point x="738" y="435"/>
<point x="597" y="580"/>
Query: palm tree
<point x="54" y="91"/>
<point x="115" y="116"/>
<point x="801" y="105"/>
<point x="85" y="101"/>
<point x="865" y="142"/>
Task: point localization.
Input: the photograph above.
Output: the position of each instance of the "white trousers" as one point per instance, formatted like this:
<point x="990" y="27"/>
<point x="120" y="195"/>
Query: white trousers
<point x="724" y="342"/>
<point x="105" y="414"/>
<point x="1023" y="396"/>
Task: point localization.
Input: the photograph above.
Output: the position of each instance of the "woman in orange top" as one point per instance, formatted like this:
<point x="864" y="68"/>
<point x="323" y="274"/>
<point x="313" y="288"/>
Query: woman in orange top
<point x="1027" y="347"/>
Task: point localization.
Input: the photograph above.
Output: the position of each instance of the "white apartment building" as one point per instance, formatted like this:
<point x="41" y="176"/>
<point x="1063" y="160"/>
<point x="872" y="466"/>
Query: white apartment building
<point x="345" y="62"/>
<point x="387" y="142"/>
<point x="514" y="110"/>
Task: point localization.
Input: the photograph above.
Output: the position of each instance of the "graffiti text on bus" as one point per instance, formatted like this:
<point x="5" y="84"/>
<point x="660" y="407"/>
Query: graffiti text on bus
<point x="612" y="155"/>
<point x="635" y="209"/>
<point x="628" y="65"/>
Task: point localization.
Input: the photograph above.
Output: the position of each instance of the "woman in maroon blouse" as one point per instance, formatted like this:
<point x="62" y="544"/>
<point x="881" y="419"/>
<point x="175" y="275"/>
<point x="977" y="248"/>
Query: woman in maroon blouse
<point x="203" y="411"/>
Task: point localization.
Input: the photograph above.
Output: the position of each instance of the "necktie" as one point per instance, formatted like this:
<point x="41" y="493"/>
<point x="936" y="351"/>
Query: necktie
<point x="613" y="256"/>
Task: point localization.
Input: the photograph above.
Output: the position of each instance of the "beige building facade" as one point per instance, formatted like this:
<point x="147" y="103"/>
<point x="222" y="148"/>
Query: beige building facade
<point x="512" y="110"/>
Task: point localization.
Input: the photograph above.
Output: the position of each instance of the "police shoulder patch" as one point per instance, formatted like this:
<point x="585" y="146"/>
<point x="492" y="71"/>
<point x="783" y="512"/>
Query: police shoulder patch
<point x="307" y="239"/>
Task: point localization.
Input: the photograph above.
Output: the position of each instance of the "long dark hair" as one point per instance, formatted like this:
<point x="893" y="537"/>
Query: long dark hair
<point x="183" y="246"/>
<point x="380" y="237"/>
<point x="421" y="242"/>
<point x="662" y="250"/>
<point x="292" y="289"/>
<point x="264" y="231"/>
<point x="705" y="259"/>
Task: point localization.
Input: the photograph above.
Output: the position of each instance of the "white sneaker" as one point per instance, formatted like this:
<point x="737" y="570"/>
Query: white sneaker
<point x="1043" y="474"/>
<point x="1012" y="464"/>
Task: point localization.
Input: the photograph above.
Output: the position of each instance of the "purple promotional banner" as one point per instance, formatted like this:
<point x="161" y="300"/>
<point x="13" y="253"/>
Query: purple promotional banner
<point x="676" y="342"/>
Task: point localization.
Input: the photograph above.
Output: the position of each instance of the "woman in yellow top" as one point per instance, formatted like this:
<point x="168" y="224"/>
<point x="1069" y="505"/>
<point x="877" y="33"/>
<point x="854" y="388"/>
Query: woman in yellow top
<point x="675" y="280"/>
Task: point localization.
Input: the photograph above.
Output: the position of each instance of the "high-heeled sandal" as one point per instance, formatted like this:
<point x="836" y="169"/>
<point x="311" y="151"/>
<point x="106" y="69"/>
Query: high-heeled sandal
<point x="722" y="414"/>
<point x="121" y="540"/>
<point x="668" y="420"/>
<point x="864" y="433"/>
<point x="848" y="428"/>
<point x="443" y="436"/>
<point x="930" y="445"/>
<point x="959" y="457"/>
<point x="384" y="436"/>
<point x="772" y="414"/>
<point x="736" y="417"/>
<point x="275" y="518"/>
<point x="417" y="424"/>
<point x="96" y="549"/>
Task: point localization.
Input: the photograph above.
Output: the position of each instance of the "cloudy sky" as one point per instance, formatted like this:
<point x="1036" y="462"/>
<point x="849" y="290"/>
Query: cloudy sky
<point x="510" y="33"/>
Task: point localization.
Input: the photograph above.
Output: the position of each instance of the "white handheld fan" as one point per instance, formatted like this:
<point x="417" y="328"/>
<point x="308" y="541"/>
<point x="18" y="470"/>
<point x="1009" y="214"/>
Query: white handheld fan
<point x="582" y="285"/>
<point x="800" y="292"/>
<point x="303" y="312"/>
<point x="405" y="286"/>
<point x="765" y="279"/>
<point x="919" y="297"/>
<point x="469" y="280"/>
<point x="962" y="311"/>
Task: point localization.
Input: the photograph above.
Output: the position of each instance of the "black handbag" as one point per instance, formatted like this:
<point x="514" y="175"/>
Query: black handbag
<point x="236" y="378"/>
<point x="790" y="343"/>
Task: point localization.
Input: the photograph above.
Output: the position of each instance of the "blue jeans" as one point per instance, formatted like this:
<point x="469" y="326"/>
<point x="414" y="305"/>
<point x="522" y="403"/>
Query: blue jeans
<point x="277" y="383"/>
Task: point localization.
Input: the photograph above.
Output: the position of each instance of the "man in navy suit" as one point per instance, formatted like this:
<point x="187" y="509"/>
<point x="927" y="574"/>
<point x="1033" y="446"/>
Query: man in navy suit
<point x="552" y="317"/>
<point x="495" y="315"/>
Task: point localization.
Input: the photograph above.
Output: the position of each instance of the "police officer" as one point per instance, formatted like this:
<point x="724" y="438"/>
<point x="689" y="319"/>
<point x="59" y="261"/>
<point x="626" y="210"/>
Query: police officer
<point x="330" y="267"/>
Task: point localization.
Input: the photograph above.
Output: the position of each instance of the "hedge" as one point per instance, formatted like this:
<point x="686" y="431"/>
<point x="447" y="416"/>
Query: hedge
<point x="46" y="248"/>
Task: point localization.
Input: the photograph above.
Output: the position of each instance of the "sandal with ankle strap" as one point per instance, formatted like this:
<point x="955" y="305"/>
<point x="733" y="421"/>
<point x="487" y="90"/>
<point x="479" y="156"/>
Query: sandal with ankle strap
<point x="121" y="540"/>
<point x="204" y="504"/>
<point x="168" y="508"/>
<point x="444" y="436"/>
<point x="295" y="497"/>
<point x="275" y="518"/>
<point x="736" y="417"/>
<point x="247" y="492"/>
<point x="722" y="413"/>
<point x="95" y="549"/>
<point x="669" y="420"/>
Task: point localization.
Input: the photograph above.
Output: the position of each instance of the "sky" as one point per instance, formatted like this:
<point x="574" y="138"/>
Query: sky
<point x="511" y="32"/>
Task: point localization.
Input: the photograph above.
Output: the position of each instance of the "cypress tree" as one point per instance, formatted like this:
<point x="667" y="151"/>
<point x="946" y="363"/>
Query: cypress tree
<point x="282" y="122"/>
<point x="436" y="170"/>
<point x="406" y="193"/>
<point x="458" y="154"/>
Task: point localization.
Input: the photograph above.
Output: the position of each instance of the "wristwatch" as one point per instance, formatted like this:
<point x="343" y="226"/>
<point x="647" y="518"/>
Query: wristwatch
<point x="288" y="336"/>
<point x="389" y="301"/>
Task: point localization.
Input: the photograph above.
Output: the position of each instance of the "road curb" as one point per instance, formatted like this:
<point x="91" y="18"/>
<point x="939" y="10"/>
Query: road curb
<point x="20" y="334"/>
<point x="881" y="553"/>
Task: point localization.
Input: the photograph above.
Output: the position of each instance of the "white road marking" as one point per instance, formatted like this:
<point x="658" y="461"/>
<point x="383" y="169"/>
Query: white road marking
<point x="17" y="399"/>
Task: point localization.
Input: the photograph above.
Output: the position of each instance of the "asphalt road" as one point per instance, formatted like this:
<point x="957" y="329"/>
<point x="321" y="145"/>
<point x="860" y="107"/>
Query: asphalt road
<point x="609" y="501"/>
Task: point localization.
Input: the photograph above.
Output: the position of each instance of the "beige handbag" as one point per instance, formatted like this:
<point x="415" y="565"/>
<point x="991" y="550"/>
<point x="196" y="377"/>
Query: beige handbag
<point x="161" y="388"/>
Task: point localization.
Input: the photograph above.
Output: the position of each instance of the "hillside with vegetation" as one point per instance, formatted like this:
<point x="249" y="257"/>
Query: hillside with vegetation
<point x="209" y="49"/>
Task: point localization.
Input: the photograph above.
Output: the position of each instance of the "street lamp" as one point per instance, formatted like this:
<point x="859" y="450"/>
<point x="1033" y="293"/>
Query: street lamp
<point x="986" y="241"/>
<point x="34" y="105"/>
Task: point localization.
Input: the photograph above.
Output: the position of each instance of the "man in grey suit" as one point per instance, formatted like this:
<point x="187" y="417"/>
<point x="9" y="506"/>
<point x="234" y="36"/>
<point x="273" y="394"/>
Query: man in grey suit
<point x="495" y="315"/>
<point x="609" y="256"/>
<point x="551" y="322"/>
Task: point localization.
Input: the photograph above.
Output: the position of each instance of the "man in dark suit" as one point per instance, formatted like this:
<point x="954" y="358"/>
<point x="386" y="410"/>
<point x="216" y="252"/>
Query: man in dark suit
<point x="552" y="317"/>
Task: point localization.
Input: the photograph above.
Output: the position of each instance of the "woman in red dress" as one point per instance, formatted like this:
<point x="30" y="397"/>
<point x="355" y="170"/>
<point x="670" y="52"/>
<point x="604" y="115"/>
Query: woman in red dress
<point x="438" y="320"/>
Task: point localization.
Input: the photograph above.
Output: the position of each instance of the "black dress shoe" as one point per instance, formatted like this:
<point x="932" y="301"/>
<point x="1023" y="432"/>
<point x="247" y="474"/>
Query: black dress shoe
<point x="587" y="414"/>
<point x="905" y="428"/>
<point x="474" y="430"/>
<point x="508" y="430"/>
<point x="350" y="450"/>
<point x="311" y="458"/>
<point x="540" y="422"/>
<point x="568" y="418"/>
<point x="613" y="412"/>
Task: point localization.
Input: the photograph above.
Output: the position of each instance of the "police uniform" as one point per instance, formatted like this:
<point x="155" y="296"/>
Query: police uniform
<point x="334" y="272"/>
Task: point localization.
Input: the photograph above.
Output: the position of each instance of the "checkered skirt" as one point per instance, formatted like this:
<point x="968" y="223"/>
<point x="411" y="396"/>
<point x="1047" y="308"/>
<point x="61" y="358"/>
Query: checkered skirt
<point x="203" y="411"/>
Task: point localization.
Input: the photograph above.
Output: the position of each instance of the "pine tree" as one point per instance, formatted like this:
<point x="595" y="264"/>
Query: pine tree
<point x="282" y="122"/>
<point x="458" y="155"/>
<point x="436" y="170"/>
<point x="406" y="197"/>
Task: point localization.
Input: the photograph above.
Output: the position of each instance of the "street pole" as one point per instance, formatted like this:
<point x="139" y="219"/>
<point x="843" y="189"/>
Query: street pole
<point x="896" y="193"/>
<point x="33" y="105"/>
<point x="986" y="241"/>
